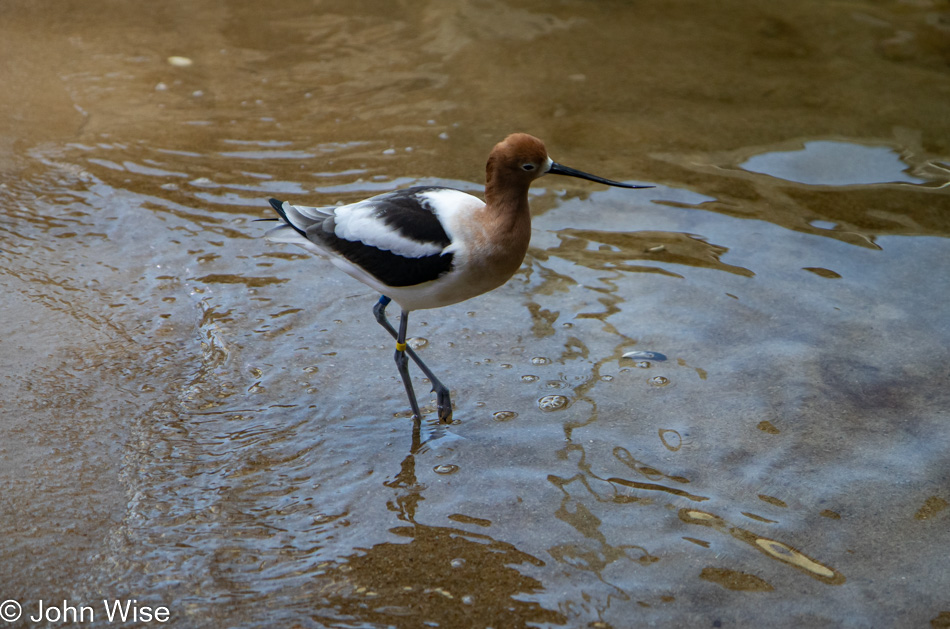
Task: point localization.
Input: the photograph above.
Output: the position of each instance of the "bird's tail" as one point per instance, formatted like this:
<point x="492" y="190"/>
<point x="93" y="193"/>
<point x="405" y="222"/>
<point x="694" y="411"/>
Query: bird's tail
<point x="282" y="209"/>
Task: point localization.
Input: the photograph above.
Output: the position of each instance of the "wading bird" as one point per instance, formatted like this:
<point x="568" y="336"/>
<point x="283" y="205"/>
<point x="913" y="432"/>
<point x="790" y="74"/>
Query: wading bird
<point x="430" y="246"/>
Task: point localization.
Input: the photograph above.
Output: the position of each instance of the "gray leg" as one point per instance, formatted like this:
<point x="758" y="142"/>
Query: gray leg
<point x="442" y="396"/>
<point x="402" y="364"/>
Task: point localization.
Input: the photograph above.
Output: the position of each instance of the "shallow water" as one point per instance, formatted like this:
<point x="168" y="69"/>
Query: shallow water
<point x="718" y="402"/>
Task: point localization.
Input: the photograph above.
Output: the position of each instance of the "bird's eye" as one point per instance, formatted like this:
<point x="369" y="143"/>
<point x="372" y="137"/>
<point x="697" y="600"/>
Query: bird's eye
<point x="528" y="167"/>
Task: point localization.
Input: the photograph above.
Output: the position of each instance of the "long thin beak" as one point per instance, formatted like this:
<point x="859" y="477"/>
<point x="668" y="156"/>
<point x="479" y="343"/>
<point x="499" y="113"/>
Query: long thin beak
<point x="558" y="169"/>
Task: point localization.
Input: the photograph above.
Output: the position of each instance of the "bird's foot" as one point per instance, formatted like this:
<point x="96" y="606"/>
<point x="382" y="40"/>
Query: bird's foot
<point x="444" y="404"/>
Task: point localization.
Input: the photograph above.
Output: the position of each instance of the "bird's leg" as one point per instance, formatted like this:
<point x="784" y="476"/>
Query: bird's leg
<point x="379" y="310"/>
<point x="402" y="364"/>
<point x="442" y="396"/>
<point x="443" y="400"/>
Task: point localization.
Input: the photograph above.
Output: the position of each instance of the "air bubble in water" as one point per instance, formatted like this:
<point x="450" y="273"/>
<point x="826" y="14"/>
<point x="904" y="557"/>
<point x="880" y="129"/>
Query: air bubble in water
<point x="641" y="355"/>
<point x="552" y="403"/>
<point x="417" y="342"/>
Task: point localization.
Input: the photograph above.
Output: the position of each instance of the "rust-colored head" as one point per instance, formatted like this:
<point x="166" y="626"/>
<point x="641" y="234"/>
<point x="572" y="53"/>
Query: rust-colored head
<point x="520" y="158"/>
<point x="517" y="160"/>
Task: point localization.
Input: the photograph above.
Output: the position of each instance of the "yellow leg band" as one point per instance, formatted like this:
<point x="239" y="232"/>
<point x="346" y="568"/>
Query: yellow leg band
<point x="400" y="347"/>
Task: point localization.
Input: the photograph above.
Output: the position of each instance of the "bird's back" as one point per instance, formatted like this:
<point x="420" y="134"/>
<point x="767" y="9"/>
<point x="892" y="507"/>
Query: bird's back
<point x="397" y="240"/>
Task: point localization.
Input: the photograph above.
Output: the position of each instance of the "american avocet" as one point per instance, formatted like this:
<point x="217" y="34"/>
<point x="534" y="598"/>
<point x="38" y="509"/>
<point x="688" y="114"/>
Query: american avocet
<point x="429" y="246"/>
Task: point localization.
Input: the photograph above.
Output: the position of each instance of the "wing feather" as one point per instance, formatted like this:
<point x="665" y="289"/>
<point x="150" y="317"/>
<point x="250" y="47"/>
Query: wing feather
<point x="395" y="237"/>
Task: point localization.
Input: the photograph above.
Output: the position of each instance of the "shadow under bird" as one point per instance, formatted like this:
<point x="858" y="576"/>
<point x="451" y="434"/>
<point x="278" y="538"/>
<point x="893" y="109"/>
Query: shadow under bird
<point x="431" y="246"/>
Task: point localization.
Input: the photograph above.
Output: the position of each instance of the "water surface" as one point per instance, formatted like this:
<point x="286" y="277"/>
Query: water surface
<point x="718" y="402"/>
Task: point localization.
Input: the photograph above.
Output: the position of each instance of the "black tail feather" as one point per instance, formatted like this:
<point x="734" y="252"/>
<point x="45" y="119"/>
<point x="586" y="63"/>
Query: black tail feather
<point x="279" y="208"/>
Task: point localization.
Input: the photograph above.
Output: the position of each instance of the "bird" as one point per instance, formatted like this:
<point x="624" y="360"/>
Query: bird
<point x="431" y="246"/>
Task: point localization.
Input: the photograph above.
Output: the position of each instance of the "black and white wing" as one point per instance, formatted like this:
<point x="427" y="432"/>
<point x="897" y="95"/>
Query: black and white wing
<point x="399" y="238"/>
